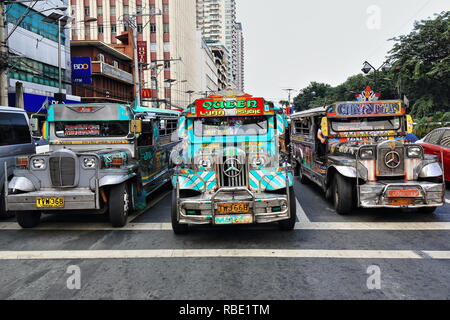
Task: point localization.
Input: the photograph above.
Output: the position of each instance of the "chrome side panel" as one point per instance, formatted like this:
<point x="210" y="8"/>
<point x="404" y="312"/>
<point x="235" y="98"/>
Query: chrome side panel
<point x="115" y="179"/>
<point x="431" y="170"/>
<point x="21" y="184"/>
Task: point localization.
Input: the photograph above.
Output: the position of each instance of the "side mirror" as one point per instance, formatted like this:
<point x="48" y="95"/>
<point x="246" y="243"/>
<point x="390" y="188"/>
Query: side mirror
<point x="136" y="126"/>
<point x="409" y="124"/>
<point x="324" y="126"/>
<point x="34" y="123"/>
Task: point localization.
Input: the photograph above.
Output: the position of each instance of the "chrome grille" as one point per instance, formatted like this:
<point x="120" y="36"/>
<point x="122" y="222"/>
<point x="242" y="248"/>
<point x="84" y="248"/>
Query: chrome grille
<point x="227" y="174"/>
<point x="62" y="171"/>
<point x="383" y="169"/>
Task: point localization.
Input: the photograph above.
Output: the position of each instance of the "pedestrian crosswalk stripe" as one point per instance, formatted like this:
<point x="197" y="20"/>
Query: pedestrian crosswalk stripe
<point x="221" y="253"/>
<point x="163" y="226"/>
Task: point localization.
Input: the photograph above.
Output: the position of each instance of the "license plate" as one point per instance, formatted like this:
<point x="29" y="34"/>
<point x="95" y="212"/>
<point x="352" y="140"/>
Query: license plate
<point x="50" y="202"/>
<point x="242" y="219"/>
<point x="230" y="208"/>
<point x="401" y="201"/>
<point x="403" y="193"/>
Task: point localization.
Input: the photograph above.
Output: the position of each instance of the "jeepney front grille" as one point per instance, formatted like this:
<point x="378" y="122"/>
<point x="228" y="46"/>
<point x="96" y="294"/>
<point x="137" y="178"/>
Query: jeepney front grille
<point x="226" y="174"/>
<point x="62" y="171"/>
<point x="383" y="169"/>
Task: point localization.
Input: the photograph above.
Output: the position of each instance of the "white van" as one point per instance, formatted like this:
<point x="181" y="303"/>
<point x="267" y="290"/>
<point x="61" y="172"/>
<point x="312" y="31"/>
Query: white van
<point x="15" y="141"/>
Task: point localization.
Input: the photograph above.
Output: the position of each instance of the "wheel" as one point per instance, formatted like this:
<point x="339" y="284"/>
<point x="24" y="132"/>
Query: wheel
<point x="28" y="219"/>
<point x="3" y="213"/>
<point x="427" y="209"/>
<point x="177" y="227"/>
<point x="289" y="224"/>
<point x="119" y="204"/>
<point x="342" y="194"/>
<point x="301" y="176"/>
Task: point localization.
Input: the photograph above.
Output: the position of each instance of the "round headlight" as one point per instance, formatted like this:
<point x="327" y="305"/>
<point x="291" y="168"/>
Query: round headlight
<point x="89" y="163"/>
<point x="367" y="154"/>
<point x="414" y="152"/>
<point x="38" y="163"/>
<point x="257" y="162"/>
<point x="206" y="163"/>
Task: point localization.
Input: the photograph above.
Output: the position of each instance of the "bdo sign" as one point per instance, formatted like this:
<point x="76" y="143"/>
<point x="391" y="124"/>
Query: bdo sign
<point x="81" y="70"/>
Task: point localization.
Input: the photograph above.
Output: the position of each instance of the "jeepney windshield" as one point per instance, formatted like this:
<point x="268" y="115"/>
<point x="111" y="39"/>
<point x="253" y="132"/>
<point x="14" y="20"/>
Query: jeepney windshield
<point x="366" y="124"/>
<point x="91" y="129"/>
<point x="230" y="126"/>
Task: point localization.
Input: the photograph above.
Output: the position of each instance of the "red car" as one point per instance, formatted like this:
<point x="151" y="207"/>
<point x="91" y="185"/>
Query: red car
<point x="437" y="142"/>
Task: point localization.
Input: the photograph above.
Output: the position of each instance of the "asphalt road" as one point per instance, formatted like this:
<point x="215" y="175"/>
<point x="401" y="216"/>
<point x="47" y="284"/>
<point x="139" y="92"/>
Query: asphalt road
<point x="326" y="257"/>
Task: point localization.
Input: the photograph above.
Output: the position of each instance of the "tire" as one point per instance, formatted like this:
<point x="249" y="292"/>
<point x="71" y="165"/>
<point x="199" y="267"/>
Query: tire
<point x="3" y="213"/>
<point x="289" y="224"/>
<point x="342" y="194"/>
<point x="28" y="219"/>
<point x="428" y="210"/>
<point x="119" y="204"/>
<point x="301" y="176"/>
<point x="177" y="227"/>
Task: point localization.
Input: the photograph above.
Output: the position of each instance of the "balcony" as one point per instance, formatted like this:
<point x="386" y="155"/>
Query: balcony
<point x="101" y="68"/>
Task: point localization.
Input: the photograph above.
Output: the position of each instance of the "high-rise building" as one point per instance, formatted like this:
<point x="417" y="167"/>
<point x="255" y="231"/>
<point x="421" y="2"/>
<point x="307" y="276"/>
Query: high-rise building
<point x="216" y="19"/>
<point x="240" y="57"/>
<point x="32" y="40"/>
<point x="168" y="38"/>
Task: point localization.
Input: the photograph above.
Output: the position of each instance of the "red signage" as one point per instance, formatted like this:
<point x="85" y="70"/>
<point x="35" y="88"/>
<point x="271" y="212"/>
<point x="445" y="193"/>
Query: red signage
<point x="146" y="93"/>
<point x="231" y="107"/>
<point x="403" y="193"/>
<point x="142" y="51"/>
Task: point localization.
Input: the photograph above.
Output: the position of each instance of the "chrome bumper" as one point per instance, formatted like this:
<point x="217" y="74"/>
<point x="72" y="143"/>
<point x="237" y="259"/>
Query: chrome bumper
<point x="74" y="199"/>
<point x="375" y="194"/>
<point x="260" y="204"/>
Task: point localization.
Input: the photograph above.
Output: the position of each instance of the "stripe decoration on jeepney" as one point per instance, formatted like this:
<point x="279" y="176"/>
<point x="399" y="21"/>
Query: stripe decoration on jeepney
<point x="269" y="179"/>
<point x="281" y="124"/>
<point x="196" y="181"/>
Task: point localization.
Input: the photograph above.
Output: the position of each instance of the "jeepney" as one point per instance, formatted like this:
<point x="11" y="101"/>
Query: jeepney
<point x="365" y="161"/>
<point x="232" y="166"/>
<point x="105" y="158"/>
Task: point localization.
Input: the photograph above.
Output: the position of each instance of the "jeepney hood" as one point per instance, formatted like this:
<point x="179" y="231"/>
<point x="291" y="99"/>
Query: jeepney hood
<point x="349" y="146"/>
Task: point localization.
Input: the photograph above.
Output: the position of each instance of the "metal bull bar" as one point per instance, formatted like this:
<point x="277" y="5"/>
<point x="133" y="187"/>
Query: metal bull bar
<point x="231" y="189"/>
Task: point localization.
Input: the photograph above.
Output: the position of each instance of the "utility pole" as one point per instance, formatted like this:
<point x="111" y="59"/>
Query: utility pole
<point x="3" y="58"/>
<point x="132" y="22"/>
<point x="289" y="91"/>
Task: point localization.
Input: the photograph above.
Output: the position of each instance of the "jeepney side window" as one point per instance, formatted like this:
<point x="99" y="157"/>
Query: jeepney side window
<point x="146" y="137"/>
<point x="167" y="127"/>
<point x="302" y="126"/>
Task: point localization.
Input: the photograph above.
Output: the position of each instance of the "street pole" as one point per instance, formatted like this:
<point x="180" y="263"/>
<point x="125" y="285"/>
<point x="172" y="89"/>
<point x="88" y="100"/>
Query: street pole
<point x="137" y="92"/>
<point x="3" y="58"/>
<point x="59" y="60"/>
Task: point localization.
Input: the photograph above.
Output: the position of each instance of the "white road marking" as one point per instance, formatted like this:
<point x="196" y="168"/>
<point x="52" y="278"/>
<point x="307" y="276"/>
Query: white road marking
<point x="447" y="200"/>
<point x="400" y="226"/>
<point x="222" y="253"/>
<point x="301" y="215"/>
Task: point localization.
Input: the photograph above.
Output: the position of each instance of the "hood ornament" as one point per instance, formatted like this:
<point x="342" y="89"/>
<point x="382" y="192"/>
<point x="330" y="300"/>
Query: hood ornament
<point x="392" y="159"/>
<point x="232" y="167"/>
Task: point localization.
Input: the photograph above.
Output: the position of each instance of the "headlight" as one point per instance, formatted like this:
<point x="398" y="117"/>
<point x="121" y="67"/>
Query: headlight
<point x="89" y="163"/>
<point x="38" y="163"/>
<point x="259" y="160"/>
<point x="414" y="152"/>
<point x="203" y="162"/>
<point x="367" y="154"/>
<point x="206" y="163"/>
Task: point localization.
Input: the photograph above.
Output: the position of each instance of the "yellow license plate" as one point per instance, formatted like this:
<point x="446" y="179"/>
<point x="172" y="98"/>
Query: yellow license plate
<point x="50" y="202"/>
<point x="231" y="208"/>
<point x="401" y="201"/>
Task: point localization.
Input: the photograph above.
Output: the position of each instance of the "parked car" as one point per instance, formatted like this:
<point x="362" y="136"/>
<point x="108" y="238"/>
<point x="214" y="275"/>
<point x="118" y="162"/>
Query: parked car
<point x="437" y="142"/>
<point x="15" y="140"/>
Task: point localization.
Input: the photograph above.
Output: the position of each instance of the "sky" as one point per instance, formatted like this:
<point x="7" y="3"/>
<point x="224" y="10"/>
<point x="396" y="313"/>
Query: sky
<point x="290" y="43"/>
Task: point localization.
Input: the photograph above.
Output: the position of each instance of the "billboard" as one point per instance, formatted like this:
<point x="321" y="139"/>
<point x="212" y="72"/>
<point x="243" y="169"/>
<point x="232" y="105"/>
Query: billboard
<point x="81" y="70"/>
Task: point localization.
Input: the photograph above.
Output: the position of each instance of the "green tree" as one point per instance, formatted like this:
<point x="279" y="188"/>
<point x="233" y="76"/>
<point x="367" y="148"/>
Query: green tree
<point x="421" y="65"/>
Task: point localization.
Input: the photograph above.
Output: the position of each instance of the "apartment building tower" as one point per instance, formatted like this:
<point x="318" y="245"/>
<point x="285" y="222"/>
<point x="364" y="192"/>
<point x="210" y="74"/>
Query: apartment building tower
<point x="168" y="37"/>
<point x="216" y="19"/>
<point x="240" y="57"/>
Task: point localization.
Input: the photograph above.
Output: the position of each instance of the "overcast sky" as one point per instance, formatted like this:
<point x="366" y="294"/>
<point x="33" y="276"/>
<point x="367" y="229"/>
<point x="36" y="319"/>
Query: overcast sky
<point x="289" y="43"/>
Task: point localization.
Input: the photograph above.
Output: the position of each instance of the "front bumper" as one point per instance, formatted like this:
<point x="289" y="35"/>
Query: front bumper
<point x="261" y="206"/>
<point x="74" y="199"/>
<point x="376" y="194"/>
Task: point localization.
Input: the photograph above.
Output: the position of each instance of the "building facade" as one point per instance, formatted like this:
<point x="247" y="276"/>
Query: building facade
<point x="167" y="30"/>
<point x="216" y="19"/>
<point x="112" y="78"/>
<point x="240" y="62"/>
<point x="208" y="71"/>
<point x="33" y="53"/>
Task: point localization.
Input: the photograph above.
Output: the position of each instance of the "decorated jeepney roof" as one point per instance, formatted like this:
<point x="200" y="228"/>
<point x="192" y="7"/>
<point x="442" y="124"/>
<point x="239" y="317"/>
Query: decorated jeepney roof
<point x="310" y="112"/>
<point x="88" y="112"/>
<point x="230" y="104"/>
<point x="348" y="109"/>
